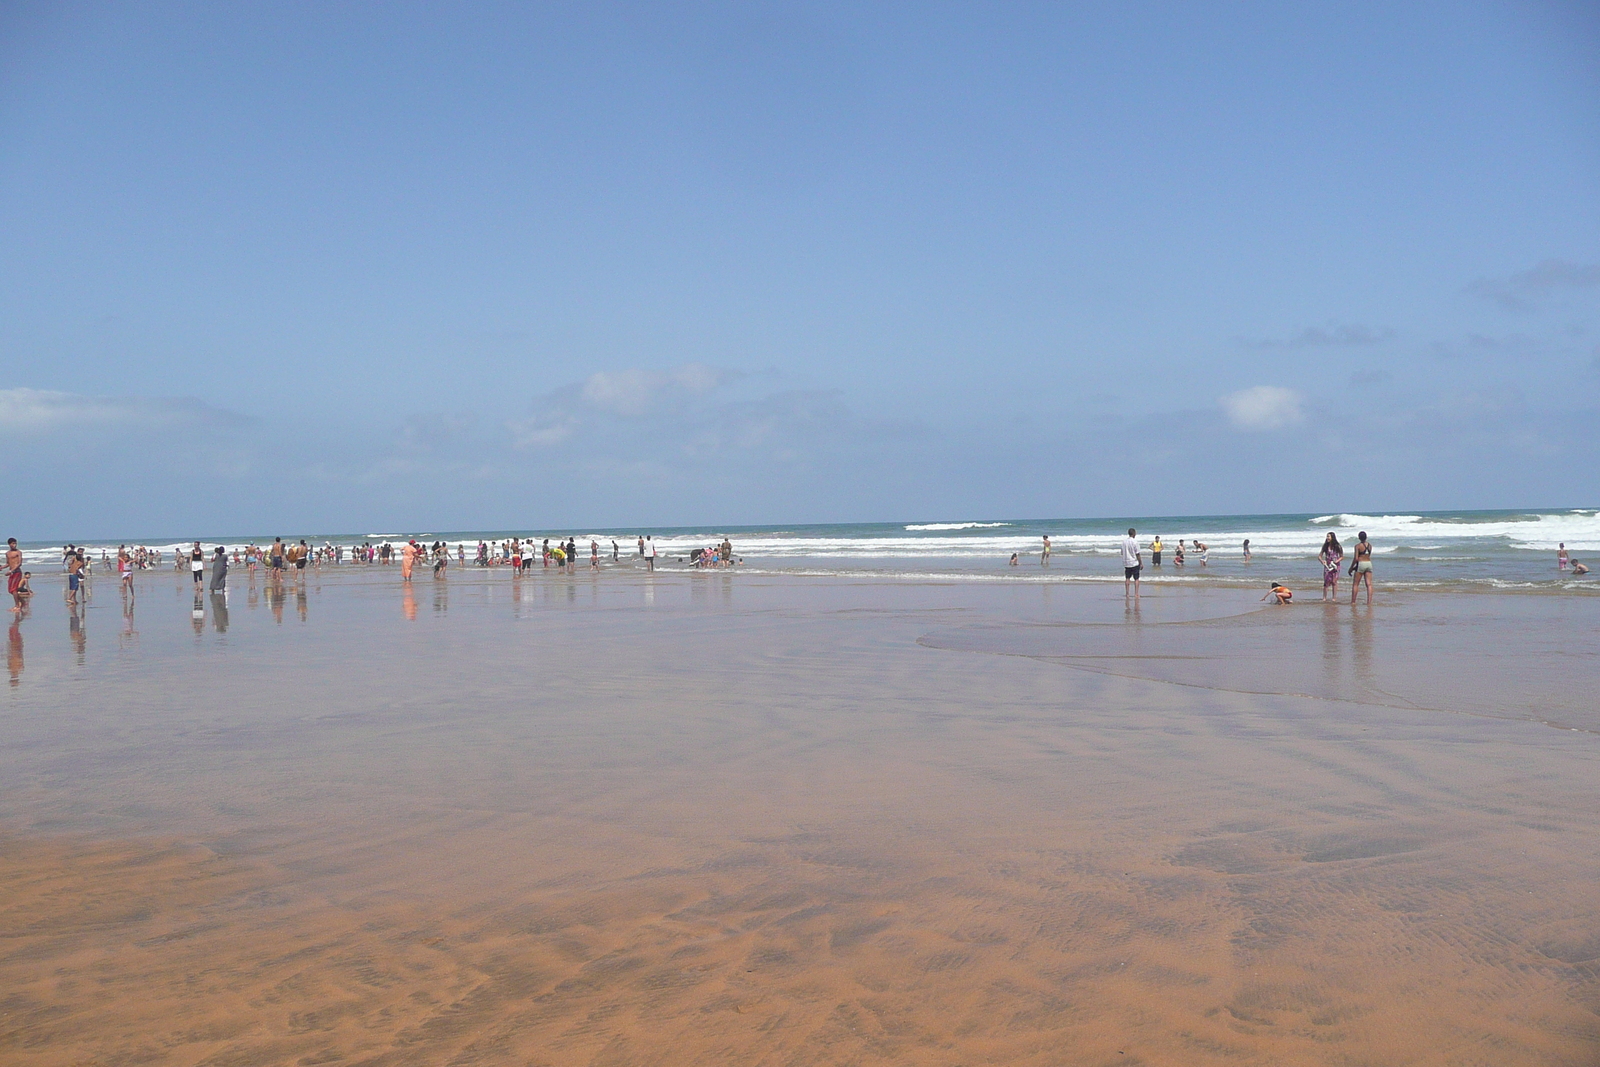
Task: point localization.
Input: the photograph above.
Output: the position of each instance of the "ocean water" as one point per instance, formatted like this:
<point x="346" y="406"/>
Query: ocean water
<point x="1477" y="550"/>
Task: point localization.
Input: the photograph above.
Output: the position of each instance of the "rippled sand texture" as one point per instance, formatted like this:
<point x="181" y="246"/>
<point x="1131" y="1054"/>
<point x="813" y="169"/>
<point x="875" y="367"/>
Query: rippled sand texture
<point x="767" y="826"/>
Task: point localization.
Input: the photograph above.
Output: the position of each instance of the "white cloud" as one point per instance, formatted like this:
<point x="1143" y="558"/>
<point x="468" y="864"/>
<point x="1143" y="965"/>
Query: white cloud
<point x="1263" y="407"/>
<point x="39" y="411"/>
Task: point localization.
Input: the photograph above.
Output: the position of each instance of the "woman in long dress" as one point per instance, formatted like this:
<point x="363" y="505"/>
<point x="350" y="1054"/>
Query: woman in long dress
<point x="1332" y="553"/>
<point x="408" y="557"/>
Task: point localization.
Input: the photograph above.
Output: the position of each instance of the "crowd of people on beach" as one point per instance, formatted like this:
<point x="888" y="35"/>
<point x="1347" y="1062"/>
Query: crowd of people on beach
<point x="290" y="557"/>
<point x="209" y="567"/>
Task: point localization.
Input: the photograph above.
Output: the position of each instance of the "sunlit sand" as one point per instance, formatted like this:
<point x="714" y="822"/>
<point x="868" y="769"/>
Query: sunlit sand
<point x="728" y="819"/>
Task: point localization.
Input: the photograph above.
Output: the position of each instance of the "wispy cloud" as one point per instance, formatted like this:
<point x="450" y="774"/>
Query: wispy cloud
<point x="544" y="430"/>
<point x="1263" y="407"/>
<point x="635" y="391"/>
<point x="40" y="411"/>
<point x="432" y="432"/>
<point x="1482" y="345"/>
<point x="609" y="397"/>
<point x="1523" y="290"/>
<point x="1346" y="336"/>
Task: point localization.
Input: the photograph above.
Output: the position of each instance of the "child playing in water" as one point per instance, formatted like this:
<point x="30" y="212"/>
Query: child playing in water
<point x="1279" y="593"/>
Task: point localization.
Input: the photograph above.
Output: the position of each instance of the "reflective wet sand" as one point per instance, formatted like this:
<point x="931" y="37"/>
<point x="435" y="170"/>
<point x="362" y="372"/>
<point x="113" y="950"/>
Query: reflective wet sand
<point x="709" y="819"/>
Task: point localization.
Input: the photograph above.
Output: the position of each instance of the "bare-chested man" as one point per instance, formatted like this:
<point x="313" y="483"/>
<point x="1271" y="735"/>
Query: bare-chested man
<point x="14" y="573"/>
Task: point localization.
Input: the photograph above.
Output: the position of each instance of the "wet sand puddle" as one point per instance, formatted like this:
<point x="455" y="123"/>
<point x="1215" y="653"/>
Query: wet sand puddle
<point x="774" y="832"/>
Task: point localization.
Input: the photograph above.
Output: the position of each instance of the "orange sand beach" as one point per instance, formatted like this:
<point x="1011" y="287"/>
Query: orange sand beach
<point x="714" y="818"/>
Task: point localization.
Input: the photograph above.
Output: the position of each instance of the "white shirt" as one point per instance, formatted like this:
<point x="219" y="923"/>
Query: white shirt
<point x="1130" y="552"/>
<point x="650" y="549"/>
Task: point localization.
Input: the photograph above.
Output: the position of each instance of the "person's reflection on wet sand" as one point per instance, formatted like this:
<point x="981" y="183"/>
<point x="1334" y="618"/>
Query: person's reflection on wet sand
<point x="409" y="604"/>
<point x="197" y="614"/>
<point x="14" y="652"/>
<point x="300" y="602"/>
<point x="1361" y="642"/>
<point x="274" y="595"/>
<point x="219" y="612"/>
<point x="1332" y="650"/>
<point x="441" y="597"/>
<point x="75" y="633"/>
<point x="253" y="600"/>
<point x="128" y="635"/>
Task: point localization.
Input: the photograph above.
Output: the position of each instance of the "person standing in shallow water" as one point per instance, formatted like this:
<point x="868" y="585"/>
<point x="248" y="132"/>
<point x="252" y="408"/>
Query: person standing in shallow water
<point x="1362" y="568"/>
<point x="1132" y="563"/>
<point x="1332" y="555"/>
<point x="219" y="571"/>
<point x="408" y="559"/>
<point x="14" y="574"/>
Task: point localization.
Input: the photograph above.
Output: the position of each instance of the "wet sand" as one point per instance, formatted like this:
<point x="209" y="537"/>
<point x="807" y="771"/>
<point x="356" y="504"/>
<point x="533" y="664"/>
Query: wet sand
<point x="710" y="819"/>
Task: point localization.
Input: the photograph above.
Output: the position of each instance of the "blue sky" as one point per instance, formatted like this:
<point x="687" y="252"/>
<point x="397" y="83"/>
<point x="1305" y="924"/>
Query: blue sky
<point x="341" y="267"/>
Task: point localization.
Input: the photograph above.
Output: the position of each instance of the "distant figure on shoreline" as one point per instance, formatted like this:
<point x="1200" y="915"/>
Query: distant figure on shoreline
<point x="1177" y="555"/>
<point x="1155" y="551"/>
<point x="1203" y="551"/>
<point x="1013" y="559"/>
<point x="1247" y="550"/>
<point x="219" y="570"/>
<point x="1578" y="568"/>
<point x="1132" y="563"/>
<point x="650" y="554"/>
<point x="1362" y="567"/>
<point x="1044" y="553"/>
<point x="1561" y="556"/>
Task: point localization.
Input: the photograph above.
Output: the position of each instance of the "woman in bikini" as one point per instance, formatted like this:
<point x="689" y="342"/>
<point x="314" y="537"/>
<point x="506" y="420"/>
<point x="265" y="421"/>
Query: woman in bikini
<point x="1363" y="568"/>
<point x="1332" y="555"/>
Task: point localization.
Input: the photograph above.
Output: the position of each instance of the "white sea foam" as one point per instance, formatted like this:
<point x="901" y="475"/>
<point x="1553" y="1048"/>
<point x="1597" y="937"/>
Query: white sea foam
<point x="956" y="525"/>
<point x="1579" y="529"/>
